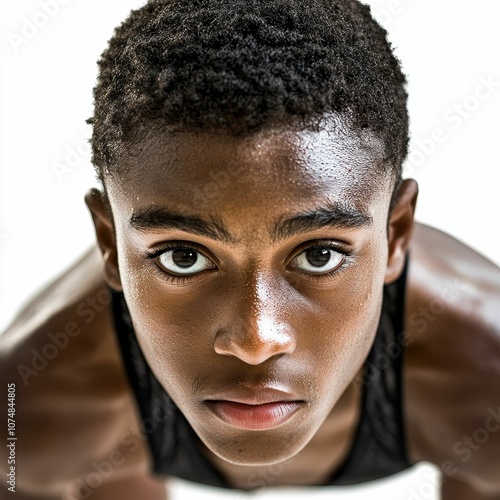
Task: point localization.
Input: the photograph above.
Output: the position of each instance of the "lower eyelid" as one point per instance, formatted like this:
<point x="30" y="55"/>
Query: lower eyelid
<point x="174" y="279"/>
<point x="188" y="274"/>
<point x="346" y="263"/>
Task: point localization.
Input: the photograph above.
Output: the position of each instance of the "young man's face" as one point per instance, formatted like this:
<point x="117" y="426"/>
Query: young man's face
<point x="253" y="270"/>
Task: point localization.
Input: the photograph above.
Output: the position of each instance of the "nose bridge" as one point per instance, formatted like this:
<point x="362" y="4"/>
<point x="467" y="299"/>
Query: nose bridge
<point x="257" y="331"/>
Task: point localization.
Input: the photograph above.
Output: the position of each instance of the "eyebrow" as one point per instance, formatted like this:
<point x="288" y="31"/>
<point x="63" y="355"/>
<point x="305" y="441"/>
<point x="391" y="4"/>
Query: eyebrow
<point x="161" y="218"/>
<point x="333" y="216"/>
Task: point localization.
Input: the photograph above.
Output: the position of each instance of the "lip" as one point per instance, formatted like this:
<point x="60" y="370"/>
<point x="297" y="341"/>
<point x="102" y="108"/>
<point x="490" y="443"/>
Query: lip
<point x="254" y="409"/>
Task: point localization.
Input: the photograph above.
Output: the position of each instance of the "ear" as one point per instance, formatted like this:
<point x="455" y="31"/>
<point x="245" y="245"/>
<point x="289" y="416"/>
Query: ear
<point x="105" y="235"/>
<point x="400" y="227"/>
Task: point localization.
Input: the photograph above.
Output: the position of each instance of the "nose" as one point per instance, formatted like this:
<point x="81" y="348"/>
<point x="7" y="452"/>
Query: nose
<point x="256" y="334"/>
<point x="255" y="343"/>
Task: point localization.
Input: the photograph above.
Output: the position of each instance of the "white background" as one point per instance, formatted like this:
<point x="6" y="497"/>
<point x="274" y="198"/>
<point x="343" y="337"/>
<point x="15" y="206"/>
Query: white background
<point x="447" y="48"/>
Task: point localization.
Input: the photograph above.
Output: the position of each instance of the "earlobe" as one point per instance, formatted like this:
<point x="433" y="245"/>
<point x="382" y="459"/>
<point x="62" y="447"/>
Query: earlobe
<point x="105" y="235"/>
<point x="400" y="229"/>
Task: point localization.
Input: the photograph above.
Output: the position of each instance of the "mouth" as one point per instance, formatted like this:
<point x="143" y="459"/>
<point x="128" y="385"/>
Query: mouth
<point x="254" y="410"/>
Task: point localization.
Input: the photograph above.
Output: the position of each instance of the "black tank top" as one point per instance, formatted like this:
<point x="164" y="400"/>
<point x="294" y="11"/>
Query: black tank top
<point x="379" y="445"/>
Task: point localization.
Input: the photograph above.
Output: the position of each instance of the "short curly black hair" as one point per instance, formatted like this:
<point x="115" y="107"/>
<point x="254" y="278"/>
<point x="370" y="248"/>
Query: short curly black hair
<point x="237" y="66"/>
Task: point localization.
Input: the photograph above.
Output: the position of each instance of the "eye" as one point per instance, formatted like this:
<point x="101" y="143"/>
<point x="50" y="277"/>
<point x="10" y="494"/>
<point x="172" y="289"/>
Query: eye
<point x="318" y="260"/>
<point x="184" y="261"/>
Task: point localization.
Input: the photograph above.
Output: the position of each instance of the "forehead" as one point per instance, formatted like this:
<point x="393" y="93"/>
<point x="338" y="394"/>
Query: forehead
<point x="275" y="171"/>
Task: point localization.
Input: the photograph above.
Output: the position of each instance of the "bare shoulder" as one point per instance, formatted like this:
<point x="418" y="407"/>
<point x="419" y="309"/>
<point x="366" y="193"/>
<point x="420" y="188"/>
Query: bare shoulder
<point x="452" y="374"/>
<point x="74" y="410"/>
<point x="449" y="281"/>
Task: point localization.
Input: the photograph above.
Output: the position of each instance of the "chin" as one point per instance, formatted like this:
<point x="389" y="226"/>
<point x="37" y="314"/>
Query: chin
<point x="266" y="456"/>
<point x="257" y="448"/>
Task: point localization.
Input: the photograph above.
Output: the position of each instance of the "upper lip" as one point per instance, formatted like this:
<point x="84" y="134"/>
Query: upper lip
<point x="253" y="395"/>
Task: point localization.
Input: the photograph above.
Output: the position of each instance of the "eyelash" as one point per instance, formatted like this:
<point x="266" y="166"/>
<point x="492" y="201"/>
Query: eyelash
<point x="170" y="278"/>
<point x="173" y="279"/>
<point x="331" y="245"/>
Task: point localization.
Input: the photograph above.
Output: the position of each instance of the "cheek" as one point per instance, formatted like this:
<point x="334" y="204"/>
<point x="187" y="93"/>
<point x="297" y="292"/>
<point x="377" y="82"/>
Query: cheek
<point x="344" y="334"/>
<point x="345" y="321"/>
<point x="167" y="325"/>
<point x="172" y="335"/>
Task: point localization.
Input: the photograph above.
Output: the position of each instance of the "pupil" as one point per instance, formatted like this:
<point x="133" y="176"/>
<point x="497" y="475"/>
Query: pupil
<point x="318" y="257"/>
<point x="184" y="257"/>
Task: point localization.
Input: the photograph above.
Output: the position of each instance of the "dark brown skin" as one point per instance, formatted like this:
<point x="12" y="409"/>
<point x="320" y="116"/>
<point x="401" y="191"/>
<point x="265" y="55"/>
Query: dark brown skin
<point x="245" y="319"/>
